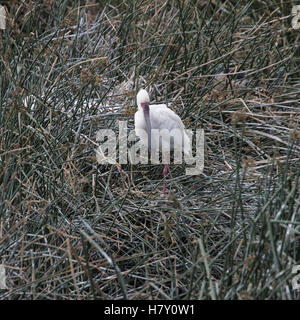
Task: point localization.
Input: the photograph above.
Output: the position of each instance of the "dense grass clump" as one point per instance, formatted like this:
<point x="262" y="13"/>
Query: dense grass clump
<point x="71" y="228"/>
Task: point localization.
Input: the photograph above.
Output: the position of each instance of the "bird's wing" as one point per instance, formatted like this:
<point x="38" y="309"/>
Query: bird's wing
<point x="161" y="117"/>
<point x="164" y="118"/>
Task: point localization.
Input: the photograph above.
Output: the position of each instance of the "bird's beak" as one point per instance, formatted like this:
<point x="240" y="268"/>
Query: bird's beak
<point x="148" y="123"/>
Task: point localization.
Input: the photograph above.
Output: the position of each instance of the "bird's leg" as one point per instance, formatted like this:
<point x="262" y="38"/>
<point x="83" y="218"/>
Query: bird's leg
<point x="165" y="171"/>
<point x="165" y="175"/>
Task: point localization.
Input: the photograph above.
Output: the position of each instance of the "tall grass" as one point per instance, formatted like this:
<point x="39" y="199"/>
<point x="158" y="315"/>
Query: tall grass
<point x="71" y="228"/>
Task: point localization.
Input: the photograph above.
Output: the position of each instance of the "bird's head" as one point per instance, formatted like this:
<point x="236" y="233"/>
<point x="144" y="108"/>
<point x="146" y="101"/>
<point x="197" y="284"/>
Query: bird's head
<point x="143" y="99"/>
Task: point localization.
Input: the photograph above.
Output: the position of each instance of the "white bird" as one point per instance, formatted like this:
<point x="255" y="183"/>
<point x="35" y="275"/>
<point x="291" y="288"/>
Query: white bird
<point x="159" y="116"/>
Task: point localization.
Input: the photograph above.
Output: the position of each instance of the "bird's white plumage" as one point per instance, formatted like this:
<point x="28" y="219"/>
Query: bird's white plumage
<point x="142" y="97"/>
<point x="161" y="117"/>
